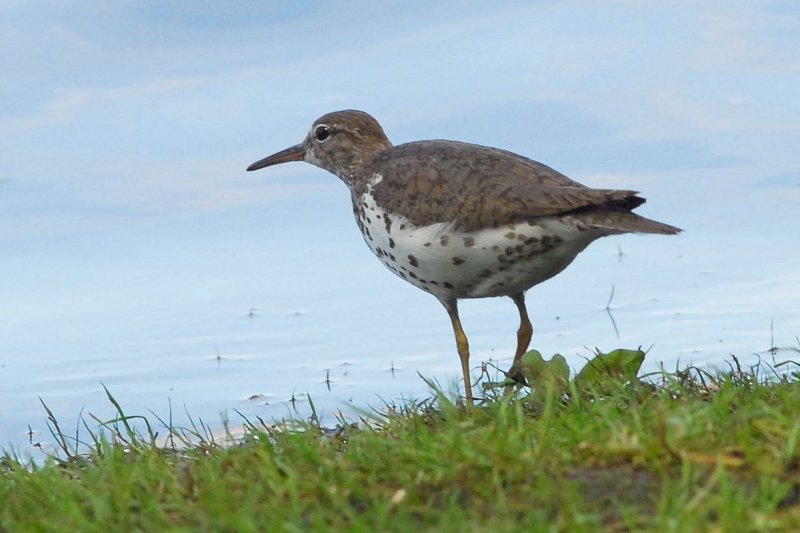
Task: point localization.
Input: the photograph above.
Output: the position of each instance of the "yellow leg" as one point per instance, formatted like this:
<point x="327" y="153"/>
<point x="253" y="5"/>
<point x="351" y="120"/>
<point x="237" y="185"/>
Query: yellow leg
<point x="524" y="335"/>
<point x="462" y="345"/>
<point x="525" y="331"/>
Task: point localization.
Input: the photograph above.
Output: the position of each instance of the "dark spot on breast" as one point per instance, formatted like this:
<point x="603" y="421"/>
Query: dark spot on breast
<point x="531" y="240"/>
<point x="509" y="250"/>
<point x="388" y="223"/>
<point x="391" y="242"/>
<point x="413" y="261"/>
<point x="469" y="242"/>
<point x="378" y="252"/>
<point x="369" y="220"/>
<point x="402" y="227"/>
<point x="457" y="261"/>
<point x="519" y="248"/>
<point x="448" y="285"/>
<point x="391" y="256"/>
<point x="426" y="245"/>
<point x="485" y="273"/>
<point x="444" y="240"/>
<point x="495" y="248"/>
<point x="510" y="235"/>
<point x="366" y="231"/>
<point x="521" y="236"/>
<point x="546" y="240"/>
<point x="434" y="282"/>
<point x="402" y="275"/>
<point x="424" y="282"/>
<point x="414" y="276"/>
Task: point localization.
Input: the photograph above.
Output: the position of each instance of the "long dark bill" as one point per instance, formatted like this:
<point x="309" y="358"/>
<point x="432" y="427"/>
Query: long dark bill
<point x="294" y="153"/>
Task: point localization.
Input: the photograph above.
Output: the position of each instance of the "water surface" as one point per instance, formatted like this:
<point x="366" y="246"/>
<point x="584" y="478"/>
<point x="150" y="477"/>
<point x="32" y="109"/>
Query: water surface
<point x="138" y="254"/>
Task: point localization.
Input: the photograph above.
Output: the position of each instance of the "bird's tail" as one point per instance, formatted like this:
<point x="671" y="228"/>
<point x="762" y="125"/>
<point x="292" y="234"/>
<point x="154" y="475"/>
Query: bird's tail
<point x="626" y="222"/>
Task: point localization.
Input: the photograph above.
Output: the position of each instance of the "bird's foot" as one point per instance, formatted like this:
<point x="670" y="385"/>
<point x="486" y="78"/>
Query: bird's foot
<point x="515" y="374"/>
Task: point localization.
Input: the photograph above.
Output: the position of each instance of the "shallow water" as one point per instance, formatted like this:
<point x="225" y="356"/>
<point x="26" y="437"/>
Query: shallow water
<point x="244" y="318"/>
<point x="133" y="245"/>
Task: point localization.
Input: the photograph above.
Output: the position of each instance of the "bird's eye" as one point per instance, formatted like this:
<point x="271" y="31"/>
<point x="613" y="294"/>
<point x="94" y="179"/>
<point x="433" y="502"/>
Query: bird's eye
<point x="322" y="132"/>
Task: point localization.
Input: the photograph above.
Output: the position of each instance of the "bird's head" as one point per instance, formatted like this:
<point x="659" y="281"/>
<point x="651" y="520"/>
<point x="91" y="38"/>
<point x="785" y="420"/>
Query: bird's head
<point x="341" y="142"/>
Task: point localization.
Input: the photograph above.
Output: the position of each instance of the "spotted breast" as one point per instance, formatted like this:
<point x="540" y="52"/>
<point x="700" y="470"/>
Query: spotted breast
<point x="445" y="261"/>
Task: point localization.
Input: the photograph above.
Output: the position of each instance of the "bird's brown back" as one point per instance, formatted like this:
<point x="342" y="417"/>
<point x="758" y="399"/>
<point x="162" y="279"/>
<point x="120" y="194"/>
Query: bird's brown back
<point x="478" y="187"/>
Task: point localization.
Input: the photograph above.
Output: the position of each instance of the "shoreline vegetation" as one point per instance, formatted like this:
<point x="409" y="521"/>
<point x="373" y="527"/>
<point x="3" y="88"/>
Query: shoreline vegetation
<point x="605" y="450"/>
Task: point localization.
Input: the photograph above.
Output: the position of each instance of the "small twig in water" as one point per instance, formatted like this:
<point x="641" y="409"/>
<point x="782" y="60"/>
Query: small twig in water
<point x="608" y="311"/>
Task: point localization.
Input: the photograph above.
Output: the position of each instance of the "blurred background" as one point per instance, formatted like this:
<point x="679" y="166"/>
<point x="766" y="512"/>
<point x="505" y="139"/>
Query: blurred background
<point x="138" y="254"/>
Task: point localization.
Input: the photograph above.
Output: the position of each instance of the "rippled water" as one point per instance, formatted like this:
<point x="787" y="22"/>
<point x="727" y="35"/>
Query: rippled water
<point x="133" y="246"/>
<point x="285" y="301"/>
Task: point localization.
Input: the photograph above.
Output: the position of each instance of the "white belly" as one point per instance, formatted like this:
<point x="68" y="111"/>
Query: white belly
<point x="488" y="262"/>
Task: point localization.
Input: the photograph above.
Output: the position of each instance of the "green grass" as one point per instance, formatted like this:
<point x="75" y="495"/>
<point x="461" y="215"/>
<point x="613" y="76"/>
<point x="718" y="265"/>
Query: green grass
<point x="690" y="452"/>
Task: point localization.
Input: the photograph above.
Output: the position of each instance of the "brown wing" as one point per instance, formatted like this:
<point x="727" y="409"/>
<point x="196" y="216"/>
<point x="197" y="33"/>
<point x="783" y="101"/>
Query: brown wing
<point x="477" y="186"/>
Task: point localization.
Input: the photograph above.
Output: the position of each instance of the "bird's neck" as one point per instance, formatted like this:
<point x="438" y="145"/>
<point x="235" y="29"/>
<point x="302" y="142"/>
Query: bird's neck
<point x="356" y="167"/>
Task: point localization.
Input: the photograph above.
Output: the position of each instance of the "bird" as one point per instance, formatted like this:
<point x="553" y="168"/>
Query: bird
<point x="461" y="220"/>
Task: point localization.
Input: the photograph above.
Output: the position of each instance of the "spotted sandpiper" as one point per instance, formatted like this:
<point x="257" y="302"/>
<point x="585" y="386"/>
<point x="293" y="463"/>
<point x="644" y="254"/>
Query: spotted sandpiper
<point x="461" y="220"/>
